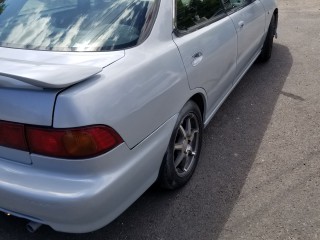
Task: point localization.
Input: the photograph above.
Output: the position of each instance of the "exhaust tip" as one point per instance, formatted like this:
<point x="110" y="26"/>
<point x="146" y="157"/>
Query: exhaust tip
<point x="33" y="227"/>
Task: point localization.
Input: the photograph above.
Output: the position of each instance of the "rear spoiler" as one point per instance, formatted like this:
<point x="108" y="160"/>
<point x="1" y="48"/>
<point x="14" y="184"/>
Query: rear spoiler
<point x="45" y="75"/>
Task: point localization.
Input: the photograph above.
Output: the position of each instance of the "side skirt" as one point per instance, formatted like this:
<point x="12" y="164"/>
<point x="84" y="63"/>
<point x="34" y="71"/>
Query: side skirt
<point x="211" y="115"/>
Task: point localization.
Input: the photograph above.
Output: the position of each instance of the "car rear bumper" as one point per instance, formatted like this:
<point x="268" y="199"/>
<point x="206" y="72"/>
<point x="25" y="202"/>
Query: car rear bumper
<point x="85" y="195"/>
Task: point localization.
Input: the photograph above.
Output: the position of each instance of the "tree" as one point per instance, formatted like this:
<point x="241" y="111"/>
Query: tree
<point x="2" y="5"/>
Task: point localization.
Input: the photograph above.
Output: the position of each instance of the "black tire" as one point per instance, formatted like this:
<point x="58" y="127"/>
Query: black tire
<point x="266" y="51"/>
<point x="184" y="148"/>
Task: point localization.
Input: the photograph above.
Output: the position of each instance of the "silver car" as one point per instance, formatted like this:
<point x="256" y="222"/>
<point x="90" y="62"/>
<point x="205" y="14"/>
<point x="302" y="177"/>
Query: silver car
<point x="99" y="99"/>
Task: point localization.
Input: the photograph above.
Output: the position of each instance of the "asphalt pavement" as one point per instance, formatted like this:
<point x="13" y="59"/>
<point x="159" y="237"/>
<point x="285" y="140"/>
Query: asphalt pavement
<point x="259" y="173"/>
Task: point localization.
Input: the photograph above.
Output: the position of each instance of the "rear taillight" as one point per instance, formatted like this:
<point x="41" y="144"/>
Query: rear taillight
<point x="12" y="136"/>
<point x="71" y="143"/>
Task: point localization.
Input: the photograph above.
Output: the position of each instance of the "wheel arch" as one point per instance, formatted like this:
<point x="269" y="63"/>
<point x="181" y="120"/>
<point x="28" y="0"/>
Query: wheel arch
<point x="200" y="100"/>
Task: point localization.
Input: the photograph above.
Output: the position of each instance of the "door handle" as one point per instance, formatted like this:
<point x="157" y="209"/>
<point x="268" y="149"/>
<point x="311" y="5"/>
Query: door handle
<point x="241" y="24"/>
<point x="197" y="58"/>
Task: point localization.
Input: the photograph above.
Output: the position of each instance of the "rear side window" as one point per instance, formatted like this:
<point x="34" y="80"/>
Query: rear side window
<point x="234" y="5"/>
<point x="190" y="13"/>
<point x="75" y="25"/>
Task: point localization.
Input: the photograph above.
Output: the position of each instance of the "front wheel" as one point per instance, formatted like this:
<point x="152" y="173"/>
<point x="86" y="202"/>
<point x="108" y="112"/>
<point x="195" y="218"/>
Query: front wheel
<point x="184" y="148"/>
<point x="266" y="51"/>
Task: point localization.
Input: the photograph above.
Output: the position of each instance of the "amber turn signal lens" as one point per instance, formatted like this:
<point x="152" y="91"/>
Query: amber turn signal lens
<point x="79" y="143"/>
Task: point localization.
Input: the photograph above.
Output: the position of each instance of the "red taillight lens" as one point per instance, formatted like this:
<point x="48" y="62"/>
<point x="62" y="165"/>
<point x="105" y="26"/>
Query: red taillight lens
<point x="12" y="136"/>
<point x="72" y="143"/>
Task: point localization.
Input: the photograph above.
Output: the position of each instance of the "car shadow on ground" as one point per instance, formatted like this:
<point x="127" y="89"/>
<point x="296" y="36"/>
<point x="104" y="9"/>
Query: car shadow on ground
<point x="200" y="209"/>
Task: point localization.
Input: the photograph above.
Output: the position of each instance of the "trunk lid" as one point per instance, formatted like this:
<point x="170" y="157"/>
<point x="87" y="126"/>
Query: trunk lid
<point x="28" y="106"/>
<point x="31" y="80"/>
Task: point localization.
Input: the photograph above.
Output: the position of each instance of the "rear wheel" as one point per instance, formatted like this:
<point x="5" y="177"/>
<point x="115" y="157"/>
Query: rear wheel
<point x="184" y="148"/>
<point x="266" y="51"/>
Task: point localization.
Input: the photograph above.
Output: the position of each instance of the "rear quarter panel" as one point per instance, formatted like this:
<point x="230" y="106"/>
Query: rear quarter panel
<point x="135" y="95"/>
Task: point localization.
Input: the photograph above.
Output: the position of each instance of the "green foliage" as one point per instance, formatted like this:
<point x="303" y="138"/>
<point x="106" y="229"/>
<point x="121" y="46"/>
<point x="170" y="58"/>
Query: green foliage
<point x="2" y="5"/>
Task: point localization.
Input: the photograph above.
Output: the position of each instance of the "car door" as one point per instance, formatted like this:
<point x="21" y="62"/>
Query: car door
<point x="248" y="17"/>
<point x="207" y="42"/>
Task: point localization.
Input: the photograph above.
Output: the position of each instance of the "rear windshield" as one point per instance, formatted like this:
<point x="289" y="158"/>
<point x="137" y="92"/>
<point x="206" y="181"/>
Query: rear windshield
<point x="75" y="25"/>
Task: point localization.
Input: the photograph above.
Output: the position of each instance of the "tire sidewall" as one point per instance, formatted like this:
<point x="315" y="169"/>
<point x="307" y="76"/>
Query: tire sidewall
<point x="268" y="43"/>
<point x="169" y="177"/>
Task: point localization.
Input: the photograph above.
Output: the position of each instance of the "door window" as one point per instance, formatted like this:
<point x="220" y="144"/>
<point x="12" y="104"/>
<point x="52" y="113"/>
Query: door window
<point x="190" y="13"/>
<point x="234" y="5"/>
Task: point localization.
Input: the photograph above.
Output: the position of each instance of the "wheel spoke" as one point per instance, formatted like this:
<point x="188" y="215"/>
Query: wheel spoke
<point x="178" y="147"/>
<point x="193" y="133"/>
<point x="179" y="159"/>
<point x="187" y="163"/>
<point x="183" y="131"/>
<point x="189" y="126"/>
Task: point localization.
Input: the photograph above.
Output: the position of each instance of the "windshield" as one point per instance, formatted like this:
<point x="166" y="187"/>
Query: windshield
<point x="75" y="25"/>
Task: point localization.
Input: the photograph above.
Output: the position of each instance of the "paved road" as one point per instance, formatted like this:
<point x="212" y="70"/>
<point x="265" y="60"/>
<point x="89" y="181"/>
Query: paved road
<point x="259" y="173"/>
